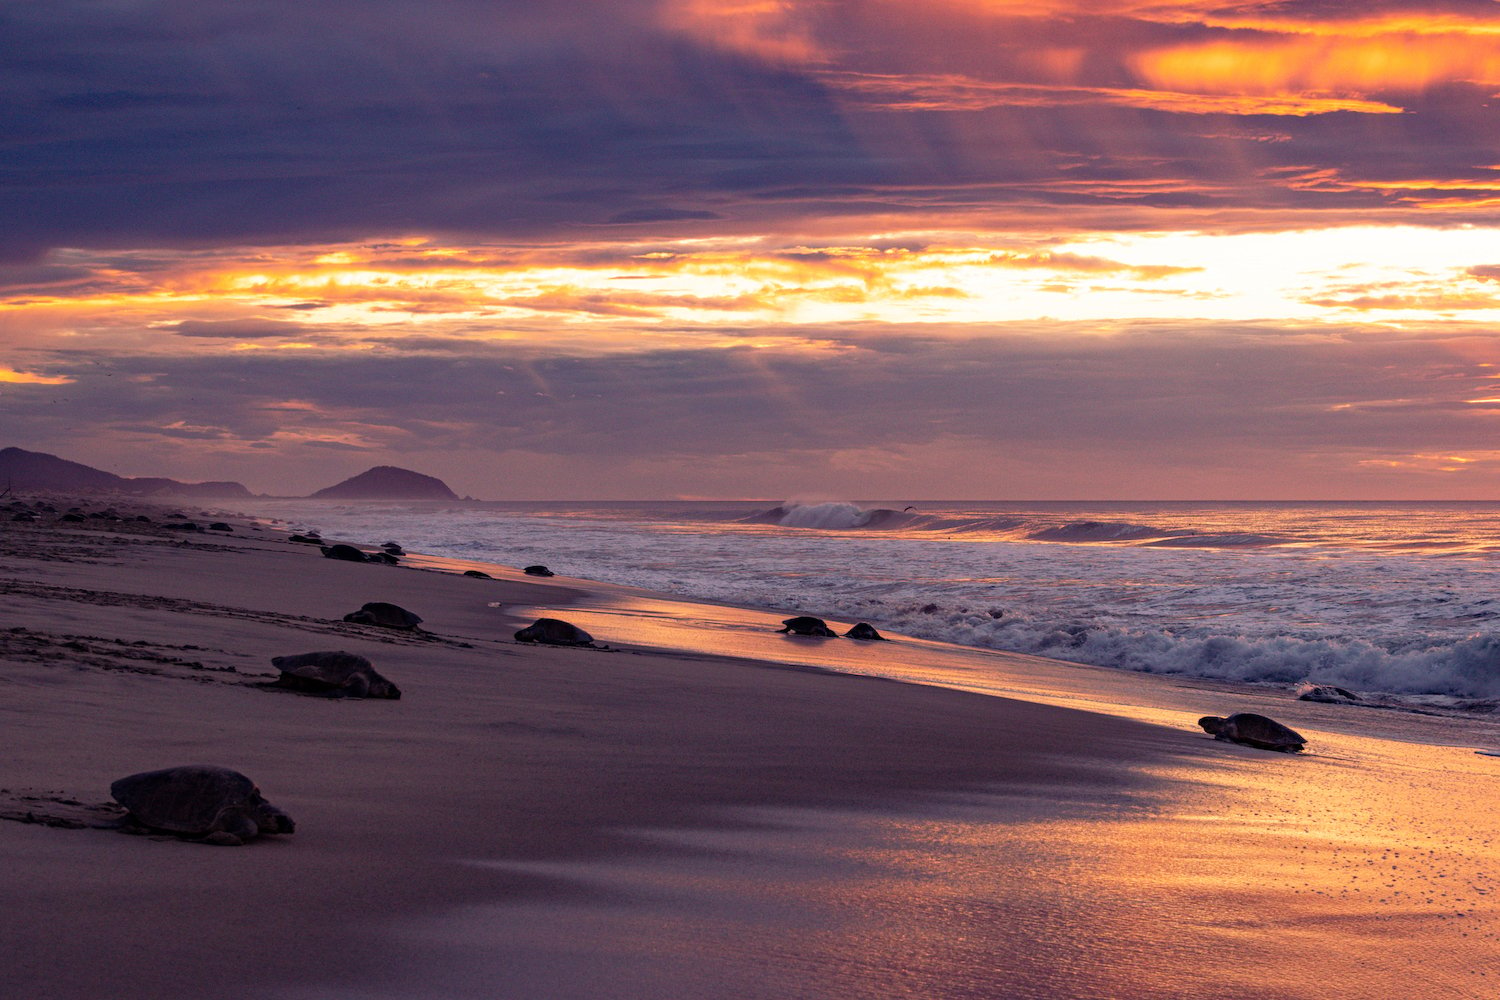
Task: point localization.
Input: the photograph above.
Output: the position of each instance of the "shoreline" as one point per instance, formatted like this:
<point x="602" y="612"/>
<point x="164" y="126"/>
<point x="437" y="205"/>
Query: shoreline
<point x="510" y="777"/>
<point x="1410" y="635"/>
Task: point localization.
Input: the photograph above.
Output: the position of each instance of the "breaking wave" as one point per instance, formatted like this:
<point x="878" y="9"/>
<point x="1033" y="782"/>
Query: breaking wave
<point x="1467" y="668"/>
<point x="830" y="516"/>
<point x="1225" y="600"/>
<point x="844" y="516"/>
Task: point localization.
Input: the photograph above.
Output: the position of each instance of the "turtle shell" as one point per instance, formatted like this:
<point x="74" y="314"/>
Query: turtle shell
<point x="332" y="671"/>
<point x="864" y="630"/>
<point x="385" y="615"/>
<point x="346" y="552"/>
<point x="555" y="632"/>
<point x="333" y="668"/>
<point x="1254" y="730"/>
<point x="187" y="800"/>
<point x="806" y="625"/>
<point x="538" y="571"/>
<point x="1329" y="693"/>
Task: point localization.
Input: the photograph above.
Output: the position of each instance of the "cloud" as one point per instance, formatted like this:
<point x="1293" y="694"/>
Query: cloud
<point x="661" y="215"/>
<point x="31" y="378"/>
<point x="1428" y="302"/>
<point x="953" y="92"/>
<point x="1086" y="264"/>
<point x="168" y="125"/>
<point x="1160" y="398"/>
<point x="238" y="329"/>
<point x="697" y="240"/>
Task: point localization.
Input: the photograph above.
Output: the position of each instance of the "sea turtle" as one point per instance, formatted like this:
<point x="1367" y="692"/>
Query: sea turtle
<point x="477" y="574"/>
<point x="336" y="674"/>
<point x="863" y="630"/>
<point x="200" y="802"/>
<point x="385" y="615"/>
<point x="1253" y="730"/>
<point x="554" y="632"/>
<point x="806" y="625"/>
<point x="394" y="548"/>
<point x="346" y="552"/>
<point x="538" y="571"/>
<point x="1329" y="693"/>
<point x="221" y="526"/>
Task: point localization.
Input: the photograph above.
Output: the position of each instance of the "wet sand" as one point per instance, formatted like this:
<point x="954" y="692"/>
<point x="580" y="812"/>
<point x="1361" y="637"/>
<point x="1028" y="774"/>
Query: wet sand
<point x="706" y="808"/>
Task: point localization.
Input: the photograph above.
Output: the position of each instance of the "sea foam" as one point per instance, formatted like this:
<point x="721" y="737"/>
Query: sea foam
<point x="1198" y="599"/>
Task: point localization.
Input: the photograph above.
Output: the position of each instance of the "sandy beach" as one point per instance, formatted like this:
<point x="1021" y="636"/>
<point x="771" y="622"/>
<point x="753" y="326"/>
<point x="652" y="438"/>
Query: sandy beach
<point x="705" y="808"/>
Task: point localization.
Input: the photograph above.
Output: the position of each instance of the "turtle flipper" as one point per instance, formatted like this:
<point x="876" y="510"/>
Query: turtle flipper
<point x="223" y="838"/>
<point x="235" y="829"/>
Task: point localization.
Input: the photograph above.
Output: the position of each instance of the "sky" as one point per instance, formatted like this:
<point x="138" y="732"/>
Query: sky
<point x="834" y="249"/>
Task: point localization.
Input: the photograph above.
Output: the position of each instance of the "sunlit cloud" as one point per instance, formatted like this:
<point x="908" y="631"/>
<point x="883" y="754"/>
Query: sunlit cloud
<point x="31" y="378"/>
<point x="1359" y="22"/>
<point x="953" y="92"/>
<point x="623" y="297"/>
<point x="1323" y="65"/>
<point x="1423" y="302"/>
<point x="1444" y="464"/>
<point x="771" y="30"/>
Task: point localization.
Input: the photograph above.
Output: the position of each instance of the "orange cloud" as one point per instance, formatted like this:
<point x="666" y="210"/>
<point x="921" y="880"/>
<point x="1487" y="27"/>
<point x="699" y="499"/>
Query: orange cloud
<point x="765" y="29"/>
<point x="955" y="92"/>
<point x="631" y="296"/>
<point x="31" y="378"/>
<point x="1278" y="18"/>
<point x="1422" y="193"/>
<point x="1366" y="26"/>
<point x="1048" y="9"/>
<point x="1087" y="264"/>
<point x="1319" y="66"/>
<point x="1425" y="302"/>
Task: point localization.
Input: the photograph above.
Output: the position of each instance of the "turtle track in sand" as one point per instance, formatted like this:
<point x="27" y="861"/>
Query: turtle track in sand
<point x="306" y="623"/>
<point x="92" y="652"/>
<point x="93" y="542"/>
<point x="200" y="664"/>
<point x="58" y="809"/>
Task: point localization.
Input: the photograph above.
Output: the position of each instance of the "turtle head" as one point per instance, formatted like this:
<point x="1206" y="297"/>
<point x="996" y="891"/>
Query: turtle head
<point x="382" y="688"/>
<point x="272" y="820"/>
<point x="1213" y="724"/>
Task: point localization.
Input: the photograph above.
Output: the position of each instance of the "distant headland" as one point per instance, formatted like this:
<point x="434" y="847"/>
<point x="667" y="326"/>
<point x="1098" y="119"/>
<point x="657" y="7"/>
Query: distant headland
<point x="34" y="470"/>
<point x="386" y="482"/>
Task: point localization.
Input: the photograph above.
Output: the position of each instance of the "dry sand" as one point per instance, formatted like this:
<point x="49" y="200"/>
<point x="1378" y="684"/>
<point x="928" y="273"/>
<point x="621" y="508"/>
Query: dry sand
<point x="658" y="820"/>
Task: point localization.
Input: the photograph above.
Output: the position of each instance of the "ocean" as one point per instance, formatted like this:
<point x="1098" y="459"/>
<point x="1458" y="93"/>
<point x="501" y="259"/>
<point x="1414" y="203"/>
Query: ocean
<point x="1386" y="599"/>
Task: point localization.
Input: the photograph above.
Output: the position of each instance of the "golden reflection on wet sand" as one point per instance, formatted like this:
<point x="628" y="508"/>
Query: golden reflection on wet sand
<point x="1364" y="868"/>
<point x="1348" y="874"/>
